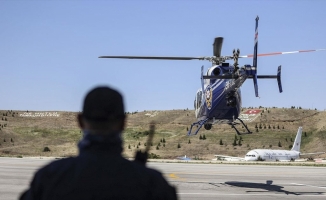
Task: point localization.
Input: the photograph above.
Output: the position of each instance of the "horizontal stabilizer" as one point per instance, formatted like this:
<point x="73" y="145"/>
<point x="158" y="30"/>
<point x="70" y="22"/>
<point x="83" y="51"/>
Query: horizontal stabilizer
<point x="310" y="154"/>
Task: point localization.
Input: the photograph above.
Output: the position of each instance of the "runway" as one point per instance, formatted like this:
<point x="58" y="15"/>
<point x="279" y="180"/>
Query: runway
<point x="199" y="181"/>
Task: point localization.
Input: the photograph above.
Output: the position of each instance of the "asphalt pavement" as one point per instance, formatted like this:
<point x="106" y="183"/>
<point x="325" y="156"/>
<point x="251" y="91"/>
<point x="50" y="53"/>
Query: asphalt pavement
<point x="199" y="181"/>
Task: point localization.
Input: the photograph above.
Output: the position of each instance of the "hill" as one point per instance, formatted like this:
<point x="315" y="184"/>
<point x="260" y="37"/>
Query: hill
<point x="31" y="133"/>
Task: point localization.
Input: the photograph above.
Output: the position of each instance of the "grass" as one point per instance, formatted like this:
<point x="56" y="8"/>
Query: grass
<point x="61" y="134"/>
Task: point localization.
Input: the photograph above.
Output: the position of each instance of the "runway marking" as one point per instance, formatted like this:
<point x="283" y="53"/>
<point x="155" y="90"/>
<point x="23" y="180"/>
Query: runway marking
<point x="173" y="176"/>
<point x="308" y="185"/>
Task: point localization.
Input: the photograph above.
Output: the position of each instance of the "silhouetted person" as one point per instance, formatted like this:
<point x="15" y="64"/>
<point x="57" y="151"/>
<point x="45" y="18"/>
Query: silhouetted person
<point x="99" y="171"/>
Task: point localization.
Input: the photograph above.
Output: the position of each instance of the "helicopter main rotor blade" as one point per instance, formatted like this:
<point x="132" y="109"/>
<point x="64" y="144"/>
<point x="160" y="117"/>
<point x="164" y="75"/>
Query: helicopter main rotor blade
<point x="158" y="57"/>
<point x="280" y="53"/>
<point x="217" y="46"/>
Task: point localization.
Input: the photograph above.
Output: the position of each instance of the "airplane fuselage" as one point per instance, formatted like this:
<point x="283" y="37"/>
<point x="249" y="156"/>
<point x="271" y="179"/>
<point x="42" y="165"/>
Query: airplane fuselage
<point x="272" y="155"/>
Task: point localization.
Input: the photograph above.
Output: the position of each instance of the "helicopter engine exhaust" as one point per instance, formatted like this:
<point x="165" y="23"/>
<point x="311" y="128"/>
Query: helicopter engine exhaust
<point x="216" y="71"/>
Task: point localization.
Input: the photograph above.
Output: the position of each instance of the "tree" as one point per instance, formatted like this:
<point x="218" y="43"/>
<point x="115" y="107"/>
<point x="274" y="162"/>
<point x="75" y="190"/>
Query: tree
<point x="163" y="140"/>
<point x="221" y="142"/>
<point x="235" y="137"/>
<point x="163" y="145"/>
<point x="157" y="148"/>
<point x="189" y="141"/>
<point x="260" y="127"/>
<point x="256" y="126"/>
<point x="129" y="147"/>
<point x="305" y="134"/>
<point x="278" y="126"/>
<point x="279" y="144"/>
<point x="46" y="149"/>
<point x="239" y="143"/>
<point x="187" y="128"/>
<point x="139" y="143"/>
<point x="257" y="130"/>
<point x="269" y="126"/>
<point x="234" y="142"/>
<point x="179" y="146"/>
<point x="200" y="137"/>
<point x="204" y="137"/>
<point x="290" y="146"/>
<point x="11" y="140"/>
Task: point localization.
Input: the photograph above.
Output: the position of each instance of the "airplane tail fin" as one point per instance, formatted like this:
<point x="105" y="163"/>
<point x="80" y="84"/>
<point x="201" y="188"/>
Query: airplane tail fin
<point x="297" y="141"/>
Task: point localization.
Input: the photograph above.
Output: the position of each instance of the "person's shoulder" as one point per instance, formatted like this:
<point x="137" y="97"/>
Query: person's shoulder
<point x="57" y="165"/>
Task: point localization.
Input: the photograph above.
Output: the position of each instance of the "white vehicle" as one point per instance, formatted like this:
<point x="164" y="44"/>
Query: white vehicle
<point x="272" y="154"/>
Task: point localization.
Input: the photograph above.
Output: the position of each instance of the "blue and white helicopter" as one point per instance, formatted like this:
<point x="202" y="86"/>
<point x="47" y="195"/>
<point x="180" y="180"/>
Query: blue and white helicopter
<point x="218" y="101"/>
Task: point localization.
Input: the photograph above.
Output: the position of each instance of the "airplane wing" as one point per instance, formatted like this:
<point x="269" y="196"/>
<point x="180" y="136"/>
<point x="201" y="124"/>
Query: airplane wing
<point x="228" y="158"/>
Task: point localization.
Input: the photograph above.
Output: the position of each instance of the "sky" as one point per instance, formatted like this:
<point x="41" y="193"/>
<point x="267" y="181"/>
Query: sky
<point x="49" y="51"/>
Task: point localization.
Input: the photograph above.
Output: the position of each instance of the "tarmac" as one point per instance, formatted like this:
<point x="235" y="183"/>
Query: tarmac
<point x="199" y="179"/>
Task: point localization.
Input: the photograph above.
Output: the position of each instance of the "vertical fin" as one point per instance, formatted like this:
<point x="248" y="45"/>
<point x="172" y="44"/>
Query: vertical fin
<point x="279" y="79"/>
<point x="255" y="57"/>
<point x="297" y="141"/>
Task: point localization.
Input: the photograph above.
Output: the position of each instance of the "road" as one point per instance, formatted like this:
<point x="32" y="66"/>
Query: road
<point x="199" y="181"/>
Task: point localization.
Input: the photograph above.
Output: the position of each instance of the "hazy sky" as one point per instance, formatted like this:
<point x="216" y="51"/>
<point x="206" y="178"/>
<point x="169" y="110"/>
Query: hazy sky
<point x="49" y="50"/>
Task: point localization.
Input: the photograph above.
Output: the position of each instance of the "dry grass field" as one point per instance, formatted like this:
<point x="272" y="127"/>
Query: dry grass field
<point x="29" y="133"/>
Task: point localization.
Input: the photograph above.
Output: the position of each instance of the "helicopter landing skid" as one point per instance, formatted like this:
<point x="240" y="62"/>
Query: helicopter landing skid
<point x="233" y="126"/>
<point x="200" y="123"/>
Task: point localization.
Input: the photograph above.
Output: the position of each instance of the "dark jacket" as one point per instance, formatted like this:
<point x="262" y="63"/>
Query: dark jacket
<point x="99" y="172"/>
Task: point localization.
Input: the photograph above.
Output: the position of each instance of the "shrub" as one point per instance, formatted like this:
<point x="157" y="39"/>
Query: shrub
<point x="189" y="141"/>
<point x="153" y="156"/>
<point x="200" y="137"/>
<point x="204" y="137"/>
<point x="46" y="149"/>
<point x="179" y="146"/>
<point x="221" y="142"/>
<point x="279" y="144"/>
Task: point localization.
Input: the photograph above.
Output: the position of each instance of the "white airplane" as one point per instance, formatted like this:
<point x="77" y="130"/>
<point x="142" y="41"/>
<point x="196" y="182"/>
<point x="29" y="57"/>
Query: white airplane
<point x="183" y="158"/>
<point x="272" y="155"/>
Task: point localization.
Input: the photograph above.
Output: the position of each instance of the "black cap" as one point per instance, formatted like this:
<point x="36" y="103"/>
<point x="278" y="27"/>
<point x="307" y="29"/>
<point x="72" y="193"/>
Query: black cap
<point x="103" y="104"/>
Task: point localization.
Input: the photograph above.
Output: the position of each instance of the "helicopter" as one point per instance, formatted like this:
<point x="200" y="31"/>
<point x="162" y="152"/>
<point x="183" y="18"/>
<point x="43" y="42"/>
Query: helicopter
<point x="218" y="101"/>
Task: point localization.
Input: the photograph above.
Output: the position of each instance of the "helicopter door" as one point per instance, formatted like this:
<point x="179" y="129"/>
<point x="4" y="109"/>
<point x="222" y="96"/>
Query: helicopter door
<point x="198" y="102"/>
<point x="199" y="99"/>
